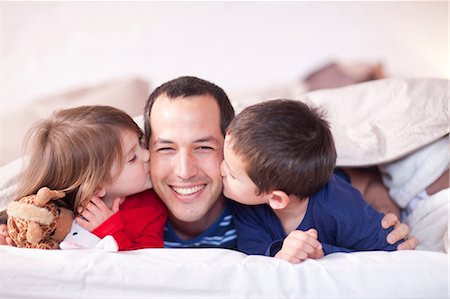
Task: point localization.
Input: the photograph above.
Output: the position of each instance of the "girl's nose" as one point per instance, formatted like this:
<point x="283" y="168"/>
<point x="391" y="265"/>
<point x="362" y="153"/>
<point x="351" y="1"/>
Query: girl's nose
<point x="146" y="155"/>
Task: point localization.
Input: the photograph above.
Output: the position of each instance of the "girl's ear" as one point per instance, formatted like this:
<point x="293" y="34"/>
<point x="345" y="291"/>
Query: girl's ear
<point x="278" y="199"/>
<point x="100" y="192"/>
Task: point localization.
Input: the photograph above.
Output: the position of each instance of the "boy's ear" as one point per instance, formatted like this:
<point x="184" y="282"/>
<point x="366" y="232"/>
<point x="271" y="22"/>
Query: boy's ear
<point x="278" y="199"/>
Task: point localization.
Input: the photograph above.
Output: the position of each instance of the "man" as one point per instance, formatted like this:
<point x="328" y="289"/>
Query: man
<point x="185" y="122"/>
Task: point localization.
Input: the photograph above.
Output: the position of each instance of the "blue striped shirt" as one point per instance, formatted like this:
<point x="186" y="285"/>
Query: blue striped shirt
<point x="222" y="234"/>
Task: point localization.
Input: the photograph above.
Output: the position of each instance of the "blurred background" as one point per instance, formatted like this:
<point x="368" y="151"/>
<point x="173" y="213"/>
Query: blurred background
<point x="53" y="50"/>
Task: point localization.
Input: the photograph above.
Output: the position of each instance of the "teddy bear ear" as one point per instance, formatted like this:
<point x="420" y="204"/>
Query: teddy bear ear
<point x="44" y="195"/>
<point x="34" y="233"/>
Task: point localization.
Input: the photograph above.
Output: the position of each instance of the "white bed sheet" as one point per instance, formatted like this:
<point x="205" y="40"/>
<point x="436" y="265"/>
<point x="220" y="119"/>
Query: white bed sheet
<point x="219" y="273"/>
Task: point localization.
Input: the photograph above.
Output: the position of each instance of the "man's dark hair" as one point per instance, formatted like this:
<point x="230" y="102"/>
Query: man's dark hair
<point x="285" y="145"/>
<point x="190" y="86"/>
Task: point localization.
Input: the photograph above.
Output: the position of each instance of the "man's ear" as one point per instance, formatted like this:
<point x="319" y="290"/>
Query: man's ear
<point x="278" y="199"/>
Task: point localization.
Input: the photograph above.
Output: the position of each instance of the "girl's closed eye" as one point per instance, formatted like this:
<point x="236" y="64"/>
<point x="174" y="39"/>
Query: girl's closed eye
<point x="133" y="158"/>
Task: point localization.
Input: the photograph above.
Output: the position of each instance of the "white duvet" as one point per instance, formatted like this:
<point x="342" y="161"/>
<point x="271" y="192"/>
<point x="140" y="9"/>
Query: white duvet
<point x="219" y="273"/>
<point x="373" y="123"/>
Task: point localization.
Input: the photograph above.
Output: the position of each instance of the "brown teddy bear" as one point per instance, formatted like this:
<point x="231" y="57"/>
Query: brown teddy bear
<point x="35" y="221"/>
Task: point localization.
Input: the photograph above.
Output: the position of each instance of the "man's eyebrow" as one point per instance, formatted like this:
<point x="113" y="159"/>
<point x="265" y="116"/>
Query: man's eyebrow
<point x="206" y="139"/>
<point x="199" y="140"/>
<point x="161" y="140"/>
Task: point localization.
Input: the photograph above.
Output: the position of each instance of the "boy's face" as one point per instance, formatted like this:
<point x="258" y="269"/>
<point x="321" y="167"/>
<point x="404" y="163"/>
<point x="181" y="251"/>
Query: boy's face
<point x="237" y="185"/>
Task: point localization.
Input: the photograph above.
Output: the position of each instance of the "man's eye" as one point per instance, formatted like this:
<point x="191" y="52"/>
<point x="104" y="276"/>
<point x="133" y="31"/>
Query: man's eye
<point x="205" y="148"/>
<point x="164" y="149"/>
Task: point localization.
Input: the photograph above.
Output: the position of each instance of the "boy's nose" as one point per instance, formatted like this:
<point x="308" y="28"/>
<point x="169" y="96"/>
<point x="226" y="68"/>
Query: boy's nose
<point x="222" y="169"/>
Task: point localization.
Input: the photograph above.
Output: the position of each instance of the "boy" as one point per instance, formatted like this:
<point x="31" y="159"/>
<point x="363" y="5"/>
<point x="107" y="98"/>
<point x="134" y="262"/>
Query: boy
<point x="279" y="158"/>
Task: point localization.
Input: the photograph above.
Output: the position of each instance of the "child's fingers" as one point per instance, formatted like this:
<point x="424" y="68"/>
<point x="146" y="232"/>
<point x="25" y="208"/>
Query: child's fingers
<point x="409" y="244"/>
<point x="99" y="203"/>
<point x="295" y="253"/>
<point x="312" y="232"/>
<point x="305" y="237"/>
<point x="82" y="222"/>
<point x="389" y="220"/>
<point x="86" y="213"/>
<point x="115" y="205"/>
<point x="4" y="230"/>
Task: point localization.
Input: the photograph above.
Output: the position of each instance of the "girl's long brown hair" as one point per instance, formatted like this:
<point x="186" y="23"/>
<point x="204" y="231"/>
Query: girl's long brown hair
<point x="74" y="151"/>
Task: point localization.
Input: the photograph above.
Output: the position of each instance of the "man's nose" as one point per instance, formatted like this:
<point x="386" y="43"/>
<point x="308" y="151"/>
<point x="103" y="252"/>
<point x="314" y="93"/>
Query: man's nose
<point x="185" y="166"/>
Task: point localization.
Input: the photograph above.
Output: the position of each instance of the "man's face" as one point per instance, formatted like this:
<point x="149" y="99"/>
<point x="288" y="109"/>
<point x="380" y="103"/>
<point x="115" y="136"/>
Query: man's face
<point x="186" y="149"/>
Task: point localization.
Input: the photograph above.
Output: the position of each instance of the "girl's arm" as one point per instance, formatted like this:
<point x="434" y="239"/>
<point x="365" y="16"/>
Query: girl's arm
<point x="138" y="224"/>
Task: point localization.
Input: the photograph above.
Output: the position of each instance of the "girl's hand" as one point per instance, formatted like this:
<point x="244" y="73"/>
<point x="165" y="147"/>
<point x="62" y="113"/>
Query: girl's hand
<point x="96" y="212"/>
<point x="300" y="245"/>
<point x="4" y="236"/>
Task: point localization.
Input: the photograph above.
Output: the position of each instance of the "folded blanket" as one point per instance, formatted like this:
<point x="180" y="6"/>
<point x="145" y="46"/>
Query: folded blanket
<point x="429" y="222"/>
<point x="407" y="177"/>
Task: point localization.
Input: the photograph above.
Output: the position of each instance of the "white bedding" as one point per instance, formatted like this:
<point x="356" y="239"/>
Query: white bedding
<point x="219" y="273"/>
<point x="383" y="124"/>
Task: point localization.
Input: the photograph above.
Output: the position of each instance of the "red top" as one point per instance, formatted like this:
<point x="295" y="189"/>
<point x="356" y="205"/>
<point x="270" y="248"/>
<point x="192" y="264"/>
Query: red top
<point x="138" y="224"/>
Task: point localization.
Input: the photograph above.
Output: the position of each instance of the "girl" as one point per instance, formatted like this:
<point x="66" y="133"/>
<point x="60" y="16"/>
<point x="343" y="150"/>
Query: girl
<point x="96" y="155"/>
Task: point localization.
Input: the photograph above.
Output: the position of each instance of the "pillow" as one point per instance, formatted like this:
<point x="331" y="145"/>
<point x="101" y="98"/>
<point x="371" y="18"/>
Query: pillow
<point x="381" y="121"/>
<point x="129" y="95"/>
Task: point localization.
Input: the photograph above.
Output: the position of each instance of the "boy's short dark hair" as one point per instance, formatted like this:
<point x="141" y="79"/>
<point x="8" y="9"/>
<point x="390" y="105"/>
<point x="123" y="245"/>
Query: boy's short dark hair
<point x="187" y="86"/>
<point x="286" y="146"/>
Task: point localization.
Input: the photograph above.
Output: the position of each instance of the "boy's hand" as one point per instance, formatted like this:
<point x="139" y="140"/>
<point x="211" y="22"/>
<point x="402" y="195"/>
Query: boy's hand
<point x="300" y="245"/>
<point x="401" y="231"/>
<point x="4" y="236"/>
<point x="96" y="212"/>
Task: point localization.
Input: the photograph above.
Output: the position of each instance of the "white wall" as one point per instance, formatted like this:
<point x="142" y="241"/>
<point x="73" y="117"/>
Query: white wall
<point x="48" y="47"/>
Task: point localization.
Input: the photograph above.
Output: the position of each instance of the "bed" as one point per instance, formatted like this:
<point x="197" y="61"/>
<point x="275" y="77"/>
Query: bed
<point x="386" y="123"/>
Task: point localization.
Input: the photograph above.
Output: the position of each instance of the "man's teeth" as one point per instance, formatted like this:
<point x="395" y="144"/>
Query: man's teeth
<point x="188" y="191"/>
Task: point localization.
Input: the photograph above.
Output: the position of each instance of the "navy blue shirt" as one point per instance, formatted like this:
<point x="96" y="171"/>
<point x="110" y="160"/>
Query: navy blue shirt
<point x="342" y="218"/>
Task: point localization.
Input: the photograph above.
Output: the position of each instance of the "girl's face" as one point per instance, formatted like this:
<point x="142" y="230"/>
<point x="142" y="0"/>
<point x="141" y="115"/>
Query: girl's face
<point x="134" y="176"/>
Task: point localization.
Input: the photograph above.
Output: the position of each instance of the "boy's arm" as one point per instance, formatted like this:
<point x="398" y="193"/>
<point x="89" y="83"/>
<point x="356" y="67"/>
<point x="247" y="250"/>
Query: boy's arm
<point x="253" y="238"/>
<point x="375" y="193"/>
<point x="362" y="231"/>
